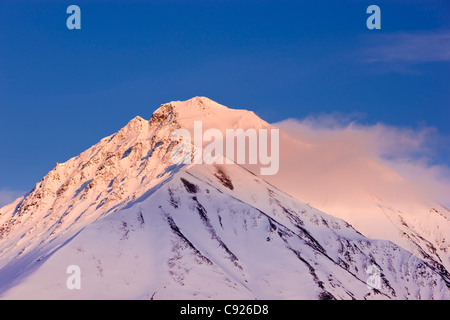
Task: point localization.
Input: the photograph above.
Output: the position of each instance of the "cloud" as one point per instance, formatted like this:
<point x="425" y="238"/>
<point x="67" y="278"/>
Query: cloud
<point x="410" y="47"/>
<point x="341" y="161"/>
<point x="432" y="179"/>
<point x="8" y="196"/>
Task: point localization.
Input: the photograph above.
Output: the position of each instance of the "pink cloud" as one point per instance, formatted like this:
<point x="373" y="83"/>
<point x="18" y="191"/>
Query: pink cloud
<point x="341" y="162"/>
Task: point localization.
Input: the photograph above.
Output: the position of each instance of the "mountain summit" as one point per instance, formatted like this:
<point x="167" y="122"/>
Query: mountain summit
<point x="139" y="226"/>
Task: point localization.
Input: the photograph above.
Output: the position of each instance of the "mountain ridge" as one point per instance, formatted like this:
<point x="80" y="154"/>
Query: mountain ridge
<point x="208" y="237"/>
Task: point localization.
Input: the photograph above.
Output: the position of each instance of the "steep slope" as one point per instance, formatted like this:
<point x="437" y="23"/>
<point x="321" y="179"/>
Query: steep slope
<point x="104" y="178"/>
<point x="223" y="233"/>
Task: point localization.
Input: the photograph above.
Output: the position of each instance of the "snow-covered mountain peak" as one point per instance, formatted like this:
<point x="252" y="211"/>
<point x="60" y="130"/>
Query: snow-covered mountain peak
<point x="211" y="114"/>
<point x="125" y="194"/>
<point x="116" y="170"/>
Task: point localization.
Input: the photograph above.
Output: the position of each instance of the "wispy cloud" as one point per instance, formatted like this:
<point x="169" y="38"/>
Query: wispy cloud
<point x="410" y="47"/>
<point x="404" y="52"/>
<point x="344" y="159"/>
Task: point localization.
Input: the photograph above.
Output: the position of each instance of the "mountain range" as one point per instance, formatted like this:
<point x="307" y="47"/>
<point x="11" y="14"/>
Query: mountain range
<point x="140" y="226"/>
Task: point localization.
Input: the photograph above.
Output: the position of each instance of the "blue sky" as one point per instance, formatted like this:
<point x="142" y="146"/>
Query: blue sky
<point x="62" y="90"/>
